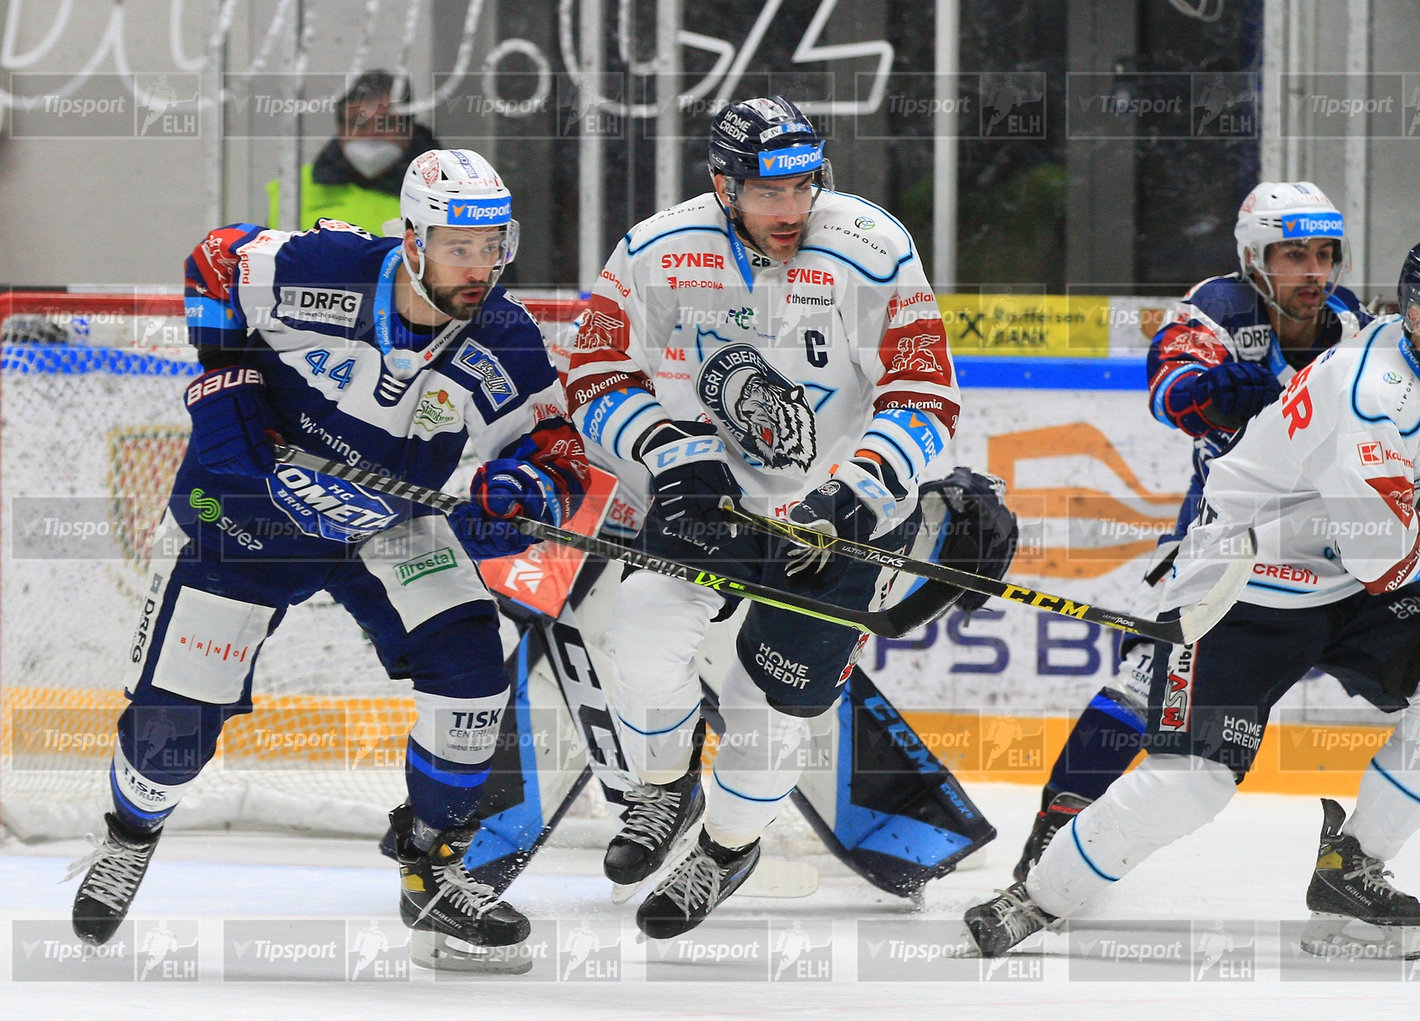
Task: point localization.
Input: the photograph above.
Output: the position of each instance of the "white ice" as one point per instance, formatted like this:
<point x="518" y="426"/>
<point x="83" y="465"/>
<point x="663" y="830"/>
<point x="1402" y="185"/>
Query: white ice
<point x="1248" y="870"/>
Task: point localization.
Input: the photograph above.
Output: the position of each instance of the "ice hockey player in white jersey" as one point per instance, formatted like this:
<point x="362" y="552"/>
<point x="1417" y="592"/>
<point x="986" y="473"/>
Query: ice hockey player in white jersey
<point x="392" y="354"/>
<point x="1224" y="354"/>
<point x="1327" y="474"/>
<point x="777" y="343"/>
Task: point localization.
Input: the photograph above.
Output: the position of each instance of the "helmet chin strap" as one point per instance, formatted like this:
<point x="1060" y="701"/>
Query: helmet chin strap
<point x="1269" y="296"/>
<point x="416" y="280"/>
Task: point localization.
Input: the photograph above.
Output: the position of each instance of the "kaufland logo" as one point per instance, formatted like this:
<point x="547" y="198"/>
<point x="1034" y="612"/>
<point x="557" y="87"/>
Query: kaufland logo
<point x="793" y="160"/>
<point x="480" y="211"/>
<point x="1305" y="226"/>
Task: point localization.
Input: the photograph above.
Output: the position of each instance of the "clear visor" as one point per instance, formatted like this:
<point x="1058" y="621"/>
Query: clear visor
<point x="1274" y="263"/>
<point x="779" y="196"/>
<point x="472" y="246"/>
<point x="1410" y="307"/>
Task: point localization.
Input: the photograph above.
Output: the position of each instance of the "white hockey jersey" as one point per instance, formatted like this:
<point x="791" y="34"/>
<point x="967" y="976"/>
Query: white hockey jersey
<point x="799" y="364"/>
<point x="1327" y="475"/>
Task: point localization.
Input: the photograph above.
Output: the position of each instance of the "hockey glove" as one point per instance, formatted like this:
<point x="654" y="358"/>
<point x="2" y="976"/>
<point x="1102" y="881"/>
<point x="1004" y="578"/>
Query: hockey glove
<point x="501" y="490"/>
<point x="852" y="504"/>
<point x="979" y="532"/>
<point x="689" y="475"/>
<point x="233" y="425"/>
<point x="1228" y="395"/>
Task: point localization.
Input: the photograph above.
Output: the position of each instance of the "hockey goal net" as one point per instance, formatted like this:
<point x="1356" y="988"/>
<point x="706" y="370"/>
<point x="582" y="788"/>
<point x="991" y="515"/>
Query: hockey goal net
<point x="91" y="433"/>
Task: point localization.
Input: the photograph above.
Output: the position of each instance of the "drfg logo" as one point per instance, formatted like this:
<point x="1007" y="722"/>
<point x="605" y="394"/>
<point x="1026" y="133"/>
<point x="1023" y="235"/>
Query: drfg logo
<point x="319" y="305"/>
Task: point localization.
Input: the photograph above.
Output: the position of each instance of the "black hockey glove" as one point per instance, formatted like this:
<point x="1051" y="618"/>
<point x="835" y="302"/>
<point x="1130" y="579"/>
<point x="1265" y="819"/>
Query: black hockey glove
<point x="689" y="475"/>
<point x="852" y="504"/>
<point x="980" y="531"/>
<point x="1229" y="394"/>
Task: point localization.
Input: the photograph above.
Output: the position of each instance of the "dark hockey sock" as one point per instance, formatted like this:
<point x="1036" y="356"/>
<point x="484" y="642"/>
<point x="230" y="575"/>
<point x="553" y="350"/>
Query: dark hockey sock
<point x="1101" y="746"/>
<point x="443" y="794"/>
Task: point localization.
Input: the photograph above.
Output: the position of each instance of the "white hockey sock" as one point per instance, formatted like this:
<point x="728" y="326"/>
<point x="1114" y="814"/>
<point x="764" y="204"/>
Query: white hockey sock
<point x="655" y="690"/>
<point x="761" y="755"/>
<point x="1388" y="805"/>
<point x="1166" y="797"/>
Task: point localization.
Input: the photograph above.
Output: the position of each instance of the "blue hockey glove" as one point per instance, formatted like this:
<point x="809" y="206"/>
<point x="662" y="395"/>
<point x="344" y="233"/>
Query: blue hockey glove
<point x="1229" y="394"/>
<point x="979" y="532"/>
<point x="233" y="424"/>
<point x="502" y="489"/>
<point x="852" y="504"/>
<point x="689" y="475"/>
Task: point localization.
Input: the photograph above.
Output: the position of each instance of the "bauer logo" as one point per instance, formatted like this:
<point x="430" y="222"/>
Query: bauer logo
<point x="276" y="949"/>
<point x="796" y="159"/>
<point x="1310" y="225"/>
<point x="319" y="305"/>
<point x="430" y="563"/>
<point x="48" y="951"/>
<point x="478" y="212"/>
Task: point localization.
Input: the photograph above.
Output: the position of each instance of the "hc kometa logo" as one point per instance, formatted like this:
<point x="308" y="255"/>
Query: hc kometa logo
<point x="792" y="160"/>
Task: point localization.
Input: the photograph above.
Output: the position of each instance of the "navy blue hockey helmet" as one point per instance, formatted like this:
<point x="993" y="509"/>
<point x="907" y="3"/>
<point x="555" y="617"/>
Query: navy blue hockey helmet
<point x="1408" y="294"/>
<point x="768" y="137"/>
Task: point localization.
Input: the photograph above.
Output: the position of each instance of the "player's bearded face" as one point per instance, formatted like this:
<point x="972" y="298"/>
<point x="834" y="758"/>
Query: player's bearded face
<point x="460" y="265"/>
<point x="774" y="213"/>
<point x="1301" y="275"/>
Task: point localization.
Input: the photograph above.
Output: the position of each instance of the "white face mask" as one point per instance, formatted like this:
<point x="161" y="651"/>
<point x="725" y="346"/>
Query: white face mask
<point x="371" y="156"/>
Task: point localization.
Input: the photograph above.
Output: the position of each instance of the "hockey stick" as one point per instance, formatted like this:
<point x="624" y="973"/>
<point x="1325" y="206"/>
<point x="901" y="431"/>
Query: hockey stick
<point x="892" y="622"/>
<point x="1193" y="623"/>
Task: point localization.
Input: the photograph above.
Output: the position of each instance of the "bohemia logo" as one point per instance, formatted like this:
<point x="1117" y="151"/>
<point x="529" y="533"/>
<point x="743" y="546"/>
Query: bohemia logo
<point x="765" y="412"/>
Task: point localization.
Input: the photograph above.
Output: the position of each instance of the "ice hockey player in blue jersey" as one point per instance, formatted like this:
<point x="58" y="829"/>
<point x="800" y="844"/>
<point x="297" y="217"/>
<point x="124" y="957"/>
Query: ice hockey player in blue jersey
<point x="1223" y="355"/>
<point x="391" y="354"/>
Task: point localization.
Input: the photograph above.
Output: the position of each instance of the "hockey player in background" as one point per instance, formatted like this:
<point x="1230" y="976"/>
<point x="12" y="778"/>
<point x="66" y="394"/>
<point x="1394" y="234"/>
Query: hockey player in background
<point x="1327" y="474"/>
<point x="391" y="354"/>
<point x="776" y="343"/>
<point x="1224" y="354"/>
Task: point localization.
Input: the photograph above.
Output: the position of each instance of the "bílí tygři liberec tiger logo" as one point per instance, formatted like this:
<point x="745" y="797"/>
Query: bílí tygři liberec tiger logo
<point x="765" y="412"/>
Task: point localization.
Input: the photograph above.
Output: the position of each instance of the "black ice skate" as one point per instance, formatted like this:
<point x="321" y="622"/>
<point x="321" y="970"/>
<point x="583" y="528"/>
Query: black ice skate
<point x="658" y="827"/>
<point x="112" y="872"/>
<point x="1058" y="811"/>
<point x="1356" y="913"/>
<point x="694" y="888"/>
<point x="459" y="923"/>
<point x="999" y="924"/>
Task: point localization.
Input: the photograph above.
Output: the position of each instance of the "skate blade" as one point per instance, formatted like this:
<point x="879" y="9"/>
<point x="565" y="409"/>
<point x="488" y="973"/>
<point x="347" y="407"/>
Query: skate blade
<point x="1341" y="937"/>
<point x="439" y="952"/>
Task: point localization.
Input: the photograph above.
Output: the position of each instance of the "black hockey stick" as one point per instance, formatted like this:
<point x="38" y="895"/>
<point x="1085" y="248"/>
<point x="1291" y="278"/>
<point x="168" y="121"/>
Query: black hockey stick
<point x="1193" y="623"/>
<point x="922" y="606"/>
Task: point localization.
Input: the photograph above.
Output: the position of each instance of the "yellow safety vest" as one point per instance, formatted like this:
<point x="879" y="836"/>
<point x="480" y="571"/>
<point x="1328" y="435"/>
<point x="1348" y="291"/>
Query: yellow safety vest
<point x="349" y="202"/>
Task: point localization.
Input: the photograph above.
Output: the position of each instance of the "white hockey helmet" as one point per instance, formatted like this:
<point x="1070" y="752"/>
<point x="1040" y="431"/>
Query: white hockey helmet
<point x="455" y="188"/>
<point x="1287" y="211"/>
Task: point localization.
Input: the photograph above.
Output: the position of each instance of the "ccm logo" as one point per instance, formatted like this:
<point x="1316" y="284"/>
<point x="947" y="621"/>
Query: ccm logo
<point x="222" y="379"/>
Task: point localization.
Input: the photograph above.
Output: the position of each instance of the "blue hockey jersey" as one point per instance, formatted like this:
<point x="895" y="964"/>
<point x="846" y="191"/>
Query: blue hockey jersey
<point x="314" y="312"/>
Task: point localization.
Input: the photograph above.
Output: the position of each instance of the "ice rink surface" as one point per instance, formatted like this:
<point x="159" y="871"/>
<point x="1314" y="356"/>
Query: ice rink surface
<point x="252" y="925"/>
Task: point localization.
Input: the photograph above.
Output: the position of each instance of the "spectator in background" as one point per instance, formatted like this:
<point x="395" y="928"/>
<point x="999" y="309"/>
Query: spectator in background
<point x="356" y="177"/>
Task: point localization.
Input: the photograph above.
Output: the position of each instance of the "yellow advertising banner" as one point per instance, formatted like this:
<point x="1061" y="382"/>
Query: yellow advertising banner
<point x="1042" y="325"/>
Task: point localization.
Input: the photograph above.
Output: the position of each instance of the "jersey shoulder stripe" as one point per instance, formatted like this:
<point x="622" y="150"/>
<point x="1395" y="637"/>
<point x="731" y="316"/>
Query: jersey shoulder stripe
<point x="1383" y="385"/>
